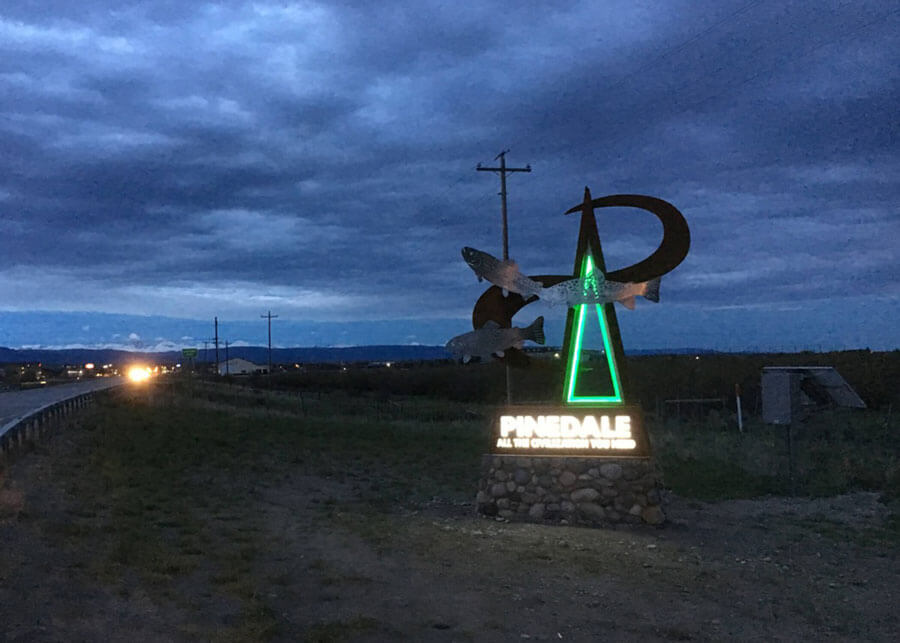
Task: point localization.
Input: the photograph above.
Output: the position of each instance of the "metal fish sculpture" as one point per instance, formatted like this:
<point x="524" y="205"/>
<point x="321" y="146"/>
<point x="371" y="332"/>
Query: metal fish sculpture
<point x="502" y="273"/>
<point x="595" y="289"/>
<point x="490" y="339"/>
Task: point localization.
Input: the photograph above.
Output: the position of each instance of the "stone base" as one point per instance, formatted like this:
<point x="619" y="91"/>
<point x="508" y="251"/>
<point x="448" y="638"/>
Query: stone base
<point x="571" y="490"/>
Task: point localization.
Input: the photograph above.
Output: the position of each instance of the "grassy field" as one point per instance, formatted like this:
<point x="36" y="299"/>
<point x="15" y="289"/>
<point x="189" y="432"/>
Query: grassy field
<point x="652" y="378"/>
<point x="201" y="498"/>
<point x="703" y="454"/>
<point x="163" y="484"/>
<point x="835" y="452"/>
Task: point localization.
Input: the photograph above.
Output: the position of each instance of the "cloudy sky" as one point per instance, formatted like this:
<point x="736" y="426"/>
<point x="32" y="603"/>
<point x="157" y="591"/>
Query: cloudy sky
<point x="165" y="162"/>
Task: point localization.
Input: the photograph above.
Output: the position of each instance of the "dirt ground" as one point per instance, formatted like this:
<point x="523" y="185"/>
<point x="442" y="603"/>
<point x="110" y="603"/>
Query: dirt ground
<point x="329" y="568"/>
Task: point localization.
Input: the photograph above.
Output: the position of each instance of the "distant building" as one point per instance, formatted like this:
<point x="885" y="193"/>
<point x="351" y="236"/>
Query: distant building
<point x="238" y="366"/>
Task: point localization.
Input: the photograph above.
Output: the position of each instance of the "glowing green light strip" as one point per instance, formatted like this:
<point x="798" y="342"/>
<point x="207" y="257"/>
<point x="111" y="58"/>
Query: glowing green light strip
<point x="575" y="353"/>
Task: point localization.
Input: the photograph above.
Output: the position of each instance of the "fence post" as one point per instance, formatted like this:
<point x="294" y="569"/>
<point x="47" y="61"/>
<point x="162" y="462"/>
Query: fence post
<point x="790" y="450"/>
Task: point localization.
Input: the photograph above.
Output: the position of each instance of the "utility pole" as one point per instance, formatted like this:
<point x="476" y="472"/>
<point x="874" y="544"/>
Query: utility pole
<point x="503" y="171"/>
<point x="270" y="317"/>
<point x="217" y="346"/>
<point x="226" y="359"/>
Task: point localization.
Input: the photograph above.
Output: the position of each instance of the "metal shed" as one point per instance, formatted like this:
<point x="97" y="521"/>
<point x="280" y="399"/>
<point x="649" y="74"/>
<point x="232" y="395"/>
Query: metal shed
<point x="788" y="390"/>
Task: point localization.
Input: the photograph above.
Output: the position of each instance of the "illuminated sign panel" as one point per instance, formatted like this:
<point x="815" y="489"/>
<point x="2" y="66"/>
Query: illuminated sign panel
<point x="554" y="431"/>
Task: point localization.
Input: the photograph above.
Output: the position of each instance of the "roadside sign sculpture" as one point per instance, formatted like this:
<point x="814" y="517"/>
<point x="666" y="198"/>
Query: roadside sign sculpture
<point x="597" y="421"/>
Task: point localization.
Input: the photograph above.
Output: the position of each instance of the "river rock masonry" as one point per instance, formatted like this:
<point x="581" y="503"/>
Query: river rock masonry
<point x="571" y="490"/>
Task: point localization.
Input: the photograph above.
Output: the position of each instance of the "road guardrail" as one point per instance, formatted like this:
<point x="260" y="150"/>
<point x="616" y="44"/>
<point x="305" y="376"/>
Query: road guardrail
<point x="38" y="421"/>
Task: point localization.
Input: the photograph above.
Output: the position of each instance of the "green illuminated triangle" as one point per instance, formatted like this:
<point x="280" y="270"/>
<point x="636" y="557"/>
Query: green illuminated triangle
<point x="583" y="316"/>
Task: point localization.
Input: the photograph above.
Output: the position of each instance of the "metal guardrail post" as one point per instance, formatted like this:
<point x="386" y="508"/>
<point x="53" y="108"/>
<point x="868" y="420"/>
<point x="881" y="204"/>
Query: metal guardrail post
<point x="43" y="421"/>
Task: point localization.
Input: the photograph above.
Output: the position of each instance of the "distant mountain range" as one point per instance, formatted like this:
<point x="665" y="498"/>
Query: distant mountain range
<point x="259" y="354"/>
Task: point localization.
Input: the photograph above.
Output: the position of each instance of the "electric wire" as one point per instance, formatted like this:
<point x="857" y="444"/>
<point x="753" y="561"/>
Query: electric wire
<point x="667" y="53"/>
<point x="635" y="117"/>
<point x="670" y="52"/>
<point x="676" y="48"/>
<point x="806" y="52"/>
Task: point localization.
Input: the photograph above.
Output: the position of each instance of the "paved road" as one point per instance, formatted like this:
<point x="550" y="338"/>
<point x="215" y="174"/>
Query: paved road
<point x="15" y="404"/>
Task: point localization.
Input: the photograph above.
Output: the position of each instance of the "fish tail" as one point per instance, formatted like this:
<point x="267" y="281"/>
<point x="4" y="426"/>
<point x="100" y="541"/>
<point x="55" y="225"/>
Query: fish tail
<point x="651" y="290"/>
<point x="535" y="332"/>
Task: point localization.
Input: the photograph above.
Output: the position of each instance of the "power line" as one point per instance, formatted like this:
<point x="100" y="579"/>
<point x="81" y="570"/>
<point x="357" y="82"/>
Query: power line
<point x="680" y="107"/>
<point x="802" y="54"/>
<point x="671" y="50"/>
<point x="436" y="198"/>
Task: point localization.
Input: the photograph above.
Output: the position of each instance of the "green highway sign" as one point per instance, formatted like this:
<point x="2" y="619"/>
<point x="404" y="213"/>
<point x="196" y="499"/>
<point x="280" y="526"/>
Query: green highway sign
<point x="189" y="352"/>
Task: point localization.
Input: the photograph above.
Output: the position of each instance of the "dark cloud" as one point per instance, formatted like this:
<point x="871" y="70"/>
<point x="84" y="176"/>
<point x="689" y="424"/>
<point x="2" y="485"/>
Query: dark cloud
<point x="159" y="156"/>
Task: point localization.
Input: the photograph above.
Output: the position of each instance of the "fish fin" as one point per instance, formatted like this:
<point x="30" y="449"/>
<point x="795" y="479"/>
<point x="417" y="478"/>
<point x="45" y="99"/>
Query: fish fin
<point x="535" y="332"/>
<point x="597" y="276"/>
<point x="651" y="289"/>
<point x="498" y="353"/>
<point x="505" y="292"/>
<point x="480" y="278"/>
<point x="628" y="302"/>
<point x="491" y="324"/>
<point x="466" y="359"/>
